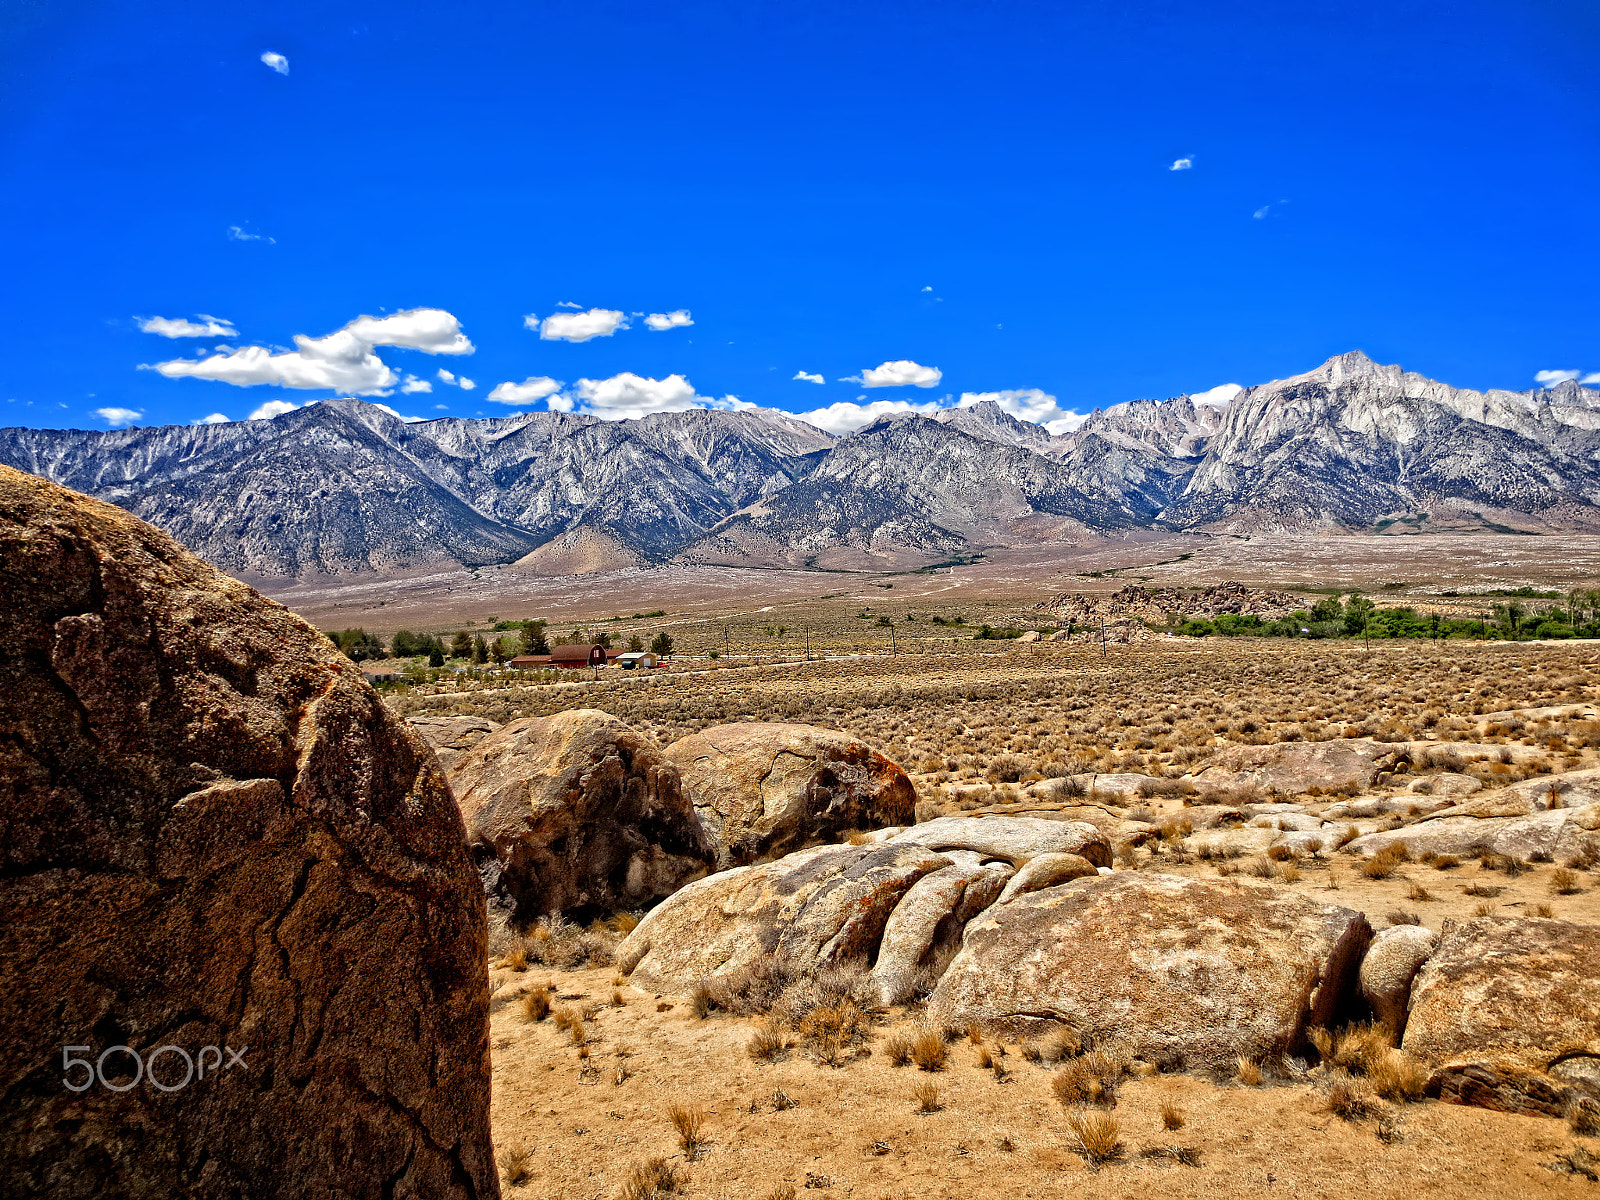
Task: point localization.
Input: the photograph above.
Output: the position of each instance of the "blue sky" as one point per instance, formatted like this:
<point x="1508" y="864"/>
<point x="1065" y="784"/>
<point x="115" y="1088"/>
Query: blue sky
<point x="981" y="189"/>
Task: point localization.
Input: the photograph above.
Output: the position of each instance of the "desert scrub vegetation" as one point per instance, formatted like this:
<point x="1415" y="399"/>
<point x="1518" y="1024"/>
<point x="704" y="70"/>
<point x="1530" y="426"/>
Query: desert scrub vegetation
<point x="559" y="943"/>
<point x="1098" y="1136"/>
<point x="1058" y="709"/>
<point x="652" y="1179"/>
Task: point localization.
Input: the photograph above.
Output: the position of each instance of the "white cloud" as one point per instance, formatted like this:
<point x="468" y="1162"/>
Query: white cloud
<point x="342" y="361"/>
<point x="236" y="234"/>
<point x="1550" y="378"/>
<point x="809" y="378"/>
<point x="671" y="320"/>
<point x="460" y="381"/>
<point x="577" y="327"/>
<point x="446" y="376"/>
<point x="1591" y="377"/>
<point x="118" y="417"/>
<point x="569" y="304"/>
<point x="402" y="416"/>
<point x="1028" y="404"/>
<point x="413" y="384"/>
<point x="1222" y="395"/>
<point x="847" y="417"/>
<point x="1261" y="213"/>
<point x="442" y="407"/>
<point x="177" y="327"/>
<point x="627" y="395"/>
<point x="901" y="373"/>
<point x="215" y="419"/>
<point x="531" y="389"/>
<point x="272" y="408"/>
<point x="276" y="61"/>
<point x="929" y="288"/>
<point x="1182" y="164"/>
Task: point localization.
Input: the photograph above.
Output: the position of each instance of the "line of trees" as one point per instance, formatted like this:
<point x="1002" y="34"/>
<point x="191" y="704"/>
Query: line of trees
<point x="516" y="637"/>
<point x="1356" y="616"/>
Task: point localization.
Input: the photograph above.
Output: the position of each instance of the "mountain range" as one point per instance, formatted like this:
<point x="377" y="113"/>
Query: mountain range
<point x="343" y="487"/>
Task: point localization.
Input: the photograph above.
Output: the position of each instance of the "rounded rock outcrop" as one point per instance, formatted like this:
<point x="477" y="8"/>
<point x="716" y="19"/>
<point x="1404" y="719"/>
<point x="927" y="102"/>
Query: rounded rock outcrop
<point x="222" y="848"/>
<point x="764" y="788"/>
<point x="576" y="810"/>
<point x="1391" y="963"/>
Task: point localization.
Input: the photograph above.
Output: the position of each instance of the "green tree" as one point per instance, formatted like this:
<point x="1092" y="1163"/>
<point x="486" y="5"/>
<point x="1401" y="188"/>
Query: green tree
<point x="1357" y="610"/>
<point x="357" y="644"/>
<point x="636" y="643"/>
<point x="461" y="646"/>
<point x="531" y="639"/>
<point x="498" y="651"/>
<point x="480" y="650"/>
<point x="436" y="655"/>
<point x="662" y="643"/>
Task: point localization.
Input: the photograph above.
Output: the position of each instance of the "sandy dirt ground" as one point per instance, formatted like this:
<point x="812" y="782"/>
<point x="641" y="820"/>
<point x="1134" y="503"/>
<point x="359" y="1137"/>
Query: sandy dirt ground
<point x="856" y="1130"/>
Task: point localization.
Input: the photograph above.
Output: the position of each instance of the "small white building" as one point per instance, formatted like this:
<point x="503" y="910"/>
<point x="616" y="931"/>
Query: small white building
<point x="630" y="659"/>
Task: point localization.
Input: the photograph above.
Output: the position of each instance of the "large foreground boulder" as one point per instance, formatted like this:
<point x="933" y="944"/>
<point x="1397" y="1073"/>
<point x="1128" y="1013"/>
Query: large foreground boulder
<point x="1502" y="1004"/>
<point x="763" y="788"/>
<point x="1171" y="968"/>
<point x="809" y="910"/>
<point x="924" y="931"/>
<point x="221" y="852"/>
<point x="1390" y="968"/>
<point x="576" y="810"/>
<point x="1557" y="833"/>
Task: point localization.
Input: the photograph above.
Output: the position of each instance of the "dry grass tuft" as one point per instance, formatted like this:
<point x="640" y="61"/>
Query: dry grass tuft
<point x="1249" y="1071"/>
<point x="898" y="1050"/>
<point x="1583" y="1117"/>
<point x="1349" y="1099"/>
<point x="688" y="1120"/>
<point x="1399" y="1077"/>
<point x="1564" y="882"/>
<point x="928" y="1050"/>
<point x="1171" y="1115"/>
<point x="516" y="1165"/>
<point x="651" y="1179"/>
<point x="536" y="1004"/>
<point x="926" y="1094"/>
<point x="766" y="1046"/>
<point x="1098" y="1136"/>
<point x="781" y="1100"/>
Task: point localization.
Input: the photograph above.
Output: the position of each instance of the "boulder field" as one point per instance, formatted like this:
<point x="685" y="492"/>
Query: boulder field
<point x="244" y="943"/>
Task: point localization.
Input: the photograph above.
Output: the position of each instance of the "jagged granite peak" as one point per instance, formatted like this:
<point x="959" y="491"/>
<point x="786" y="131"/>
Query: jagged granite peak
<point x="1354" y="444"/>
<point x="1176" y="428"/>
<point x="989" y="421"/>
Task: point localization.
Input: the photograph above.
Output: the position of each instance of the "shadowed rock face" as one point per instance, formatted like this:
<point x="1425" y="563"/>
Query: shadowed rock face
<point x="763" y="788"/>
<point x="215" y="835"/>
<point x="577" y="810"/>
<point x="1161" y="964"/>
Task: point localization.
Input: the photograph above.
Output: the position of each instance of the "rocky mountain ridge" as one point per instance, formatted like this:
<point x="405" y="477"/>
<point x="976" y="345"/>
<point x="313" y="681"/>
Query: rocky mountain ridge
<point x="345" y="488"/>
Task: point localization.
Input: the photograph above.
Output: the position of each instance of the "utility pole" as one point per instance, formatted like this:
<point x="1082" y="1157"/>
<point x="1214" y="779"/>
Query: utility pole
<point x="1102" y="635"/>
<point x="808" y="643"/>
<point x="724" y="641"/>
<point x="893" y="648"/>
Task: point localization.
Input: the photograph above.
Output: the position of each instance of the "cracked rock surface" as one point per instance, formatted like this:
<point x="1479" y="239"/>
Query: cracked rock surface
<point x="214" y="834"/>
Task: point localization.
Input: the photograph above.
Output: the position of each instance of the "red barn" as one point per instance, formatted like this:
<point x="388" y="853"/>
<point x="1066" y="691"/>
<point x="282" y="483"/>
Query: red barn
<point x="578" y="657"/>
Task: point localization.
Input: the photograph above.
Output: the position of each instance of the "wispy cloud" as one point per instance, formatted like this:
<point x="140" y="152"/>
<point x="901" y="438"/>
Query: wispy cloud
<point x="460" y="381"/>
<point x="178" y="327"/>
<point x="671" y="320"/>
<point x="237" y="234"/>
<point x="1182" y="164"/>
<point x="413" y="384"/>
<point x="577" y="327"/>
<point x="1549" y="379"/>
<point x="402" y="416"/>
<point x="215" y="419"/>
<point x="901" y="373"/>
<point x="118" y="417"/>
<point x="929" y="288"/>
<point x="570" y="304"/>
<point x="529" y="391"/>
<point x="343" y="361"/>
<point x="1221" y="396"/>
<point x="272" y="408"/>
<point x="809" y="378"/>
<point x="276" y="61"/>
